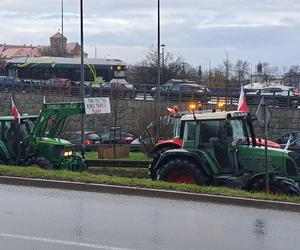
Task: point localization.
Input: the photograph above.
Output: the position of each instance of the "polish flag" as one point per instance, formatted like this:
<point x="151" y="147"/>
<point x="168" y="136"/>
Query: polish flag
<point x="15" y="111"/>
<point x="172" y="111"/>
<point x="242" y="106"/>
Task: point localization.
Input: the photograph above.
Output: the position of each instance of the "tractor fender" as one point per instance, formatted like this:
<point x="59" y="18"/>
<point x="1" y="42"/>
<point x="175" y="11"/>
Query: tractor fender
<point x="272" y="176"/>
<point x="172" y="144"/>
<point x="181" y="153"/>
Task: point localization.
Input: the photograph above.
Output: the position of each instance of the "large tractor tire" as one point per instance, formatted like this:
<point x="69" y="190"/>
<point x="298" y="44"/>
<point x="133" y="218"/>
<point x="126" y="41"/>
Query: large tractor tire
<point x="155" y="157"/>
<point x="42" y="162"/>
<point x="278" y="185"/>
<point x="182" y="171"/>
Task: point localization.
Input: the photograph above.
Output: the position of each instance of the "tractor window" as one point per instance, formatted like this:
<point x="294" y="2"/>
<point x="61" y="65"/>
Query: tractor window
<point x="189" y="139"/>
<point x="238" y="131"/>
<point x="176" y="128"/>
<point x="210" y="129"/>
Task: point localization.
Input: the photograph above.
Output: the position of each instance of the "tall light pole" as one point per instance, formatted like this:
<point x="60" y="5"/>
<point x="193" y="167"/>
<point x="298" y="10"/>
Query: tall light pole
<point x="62" y="27"/>
<point x="158" y="70"/>
<point x="82" y="77"/>
<point x="162" y="61"/>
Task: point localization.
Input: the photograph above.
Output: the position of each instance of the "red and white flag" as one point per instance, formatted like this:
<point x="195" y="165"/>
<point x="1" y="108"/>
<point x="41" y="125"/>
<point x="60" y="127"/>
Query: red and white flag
<point x="172" y="111"/>
<point x="15" y="111"/>
<point x="242" y="106"/>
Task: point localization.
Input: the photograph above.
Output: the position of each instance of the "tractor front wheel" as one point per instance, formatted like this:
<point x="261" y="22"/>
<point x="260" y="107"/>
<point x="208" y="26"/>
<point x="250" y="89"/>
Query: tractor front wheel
<point x="182" y="171"/>
<point x="42" y="162"/>
<point x="278" y="186"/>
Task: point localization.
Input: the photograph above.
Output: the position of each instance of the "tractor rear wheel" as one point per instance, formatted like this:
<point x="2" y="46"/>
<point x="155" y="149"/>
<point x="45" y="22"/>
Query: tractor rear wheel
<point x="278" y="185"/>
<point x="182" y="171"/>
<point x="42" y="162"/>
<point x="155" y="158"/>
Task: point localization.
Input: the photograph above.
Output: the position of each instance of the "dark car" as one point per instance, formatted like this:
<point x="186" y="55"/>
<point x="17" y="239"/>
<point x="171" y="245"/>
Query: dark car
<point x="89" y="138"/>
<point x="8" y="83"/>
<point x="118" y="137"/>
<point x="186" y="92"/>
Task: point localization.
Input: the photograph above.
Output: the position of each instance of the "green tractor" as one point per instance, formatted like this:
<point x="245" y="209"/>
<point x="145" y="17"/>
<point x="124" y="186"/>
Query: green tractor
<point x="35" y="139"/>
<point x="219" y="148"/>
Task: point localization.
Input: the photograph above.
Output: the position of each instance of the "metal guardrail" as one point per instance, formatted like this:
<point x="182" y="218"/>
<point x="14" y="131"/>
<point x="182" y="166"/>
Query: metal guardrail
<point x="118" y="163"/>
<point x="144" y="93"/>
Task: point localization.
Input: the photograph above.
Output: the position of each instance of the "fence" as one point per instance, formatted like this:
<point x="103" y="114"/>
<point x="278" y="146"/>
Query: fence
<point x="144" y="92"/>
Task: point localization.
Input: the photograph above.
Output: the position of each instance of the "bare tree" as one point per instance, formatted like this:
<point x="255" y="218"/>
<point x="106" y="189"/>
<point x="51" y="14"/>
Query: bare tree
<point x="173" y="67"/>
<point x="56" y="51"/>
<point x="146" y="126"/>
<point x="241" y="70"/>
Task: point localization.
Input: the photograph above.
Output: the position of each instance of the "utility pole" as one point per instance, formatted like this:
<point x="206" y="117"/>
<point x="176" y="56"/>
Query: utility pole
<point x="62" y="27"/>
<point x="209" y="73"/>
<point x="82" y="78"/>
<point x="158" y="70"/>
<point x="163" y="62"/>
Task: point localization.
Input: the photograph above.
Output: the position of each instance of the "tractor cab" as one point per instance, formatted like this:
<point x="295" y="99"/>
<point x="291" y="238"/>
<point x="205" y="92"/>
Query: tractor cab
<point x="13" y="134"/>
<point x="218" y="134"/>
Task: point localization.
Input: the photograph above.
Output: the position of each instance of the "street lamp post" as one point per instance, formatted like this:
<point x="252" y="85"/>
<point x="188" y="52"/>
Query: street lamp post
<point x="163" y="62"/>
<point x="157" y="104"/>
<point x="62" y="27"/>
<point x="82" y="77"/>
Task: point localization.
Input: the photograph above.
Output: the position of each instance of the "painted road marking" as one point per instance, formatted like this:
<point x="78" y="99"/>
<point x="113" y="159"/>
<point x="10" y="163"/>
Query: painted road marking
<point x="63" y="242"/>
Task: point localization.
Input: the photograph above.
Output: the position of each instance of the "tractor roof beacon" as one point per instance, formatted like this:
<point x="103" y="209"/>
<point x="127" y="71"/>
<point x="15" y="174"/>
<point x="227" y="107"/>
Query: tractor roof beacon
<point x="219" y="148"/>
<point x="40" y="143"/>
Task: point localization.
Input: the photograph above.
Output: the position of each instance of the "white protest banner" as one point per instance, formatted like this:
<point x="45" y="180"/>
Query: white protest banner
<point x="97" y="105"/>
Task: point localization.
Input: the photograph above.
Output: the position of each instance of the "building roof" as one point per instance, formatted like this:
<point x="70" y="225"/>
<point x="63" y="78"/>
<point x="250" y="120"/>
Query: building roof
<point x="57" y="35"/>
<point x="10" y="51"/>
<point x="64" y="60"/>
<point x="72" y="46"/>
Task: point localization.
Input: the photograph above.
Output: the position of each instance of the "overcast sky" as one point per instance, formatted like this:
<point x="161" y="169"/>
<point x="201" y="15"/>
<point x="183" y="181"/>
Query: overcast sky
<point x="265" y="30"/>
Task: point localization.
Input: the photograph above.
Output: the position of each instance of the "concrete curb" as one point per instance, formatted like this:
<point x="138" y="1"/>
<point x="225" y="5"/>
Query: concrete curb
<point x="92" y="187"/>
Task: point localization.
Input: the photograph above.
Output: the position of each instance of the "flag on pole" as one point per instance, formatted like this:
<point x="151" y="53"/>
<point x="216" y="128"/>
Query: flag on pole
<point x="15" y="111"/>
<point x="288" y="142"/>
<point x="263" y="114"/>
<point x="242" y="105"/>
<point x="171" y="110"/>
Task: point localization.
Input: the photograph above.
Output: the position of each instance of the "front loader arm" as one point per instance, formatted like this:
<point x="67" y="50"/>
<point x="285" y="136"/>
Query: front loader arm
<point x="57" y="113"/>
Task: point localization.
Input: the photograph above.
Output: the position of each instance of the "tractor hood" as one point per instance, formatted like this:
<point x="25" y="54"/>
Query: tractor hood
<point x="56" y="141"/>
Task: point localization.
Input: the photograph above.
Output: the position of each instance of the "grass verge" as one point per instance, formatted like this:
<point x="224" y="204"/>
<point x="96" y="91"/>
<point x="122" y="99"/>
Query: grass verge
<point x="34" y="172"/>
<point x="135" y="156"/>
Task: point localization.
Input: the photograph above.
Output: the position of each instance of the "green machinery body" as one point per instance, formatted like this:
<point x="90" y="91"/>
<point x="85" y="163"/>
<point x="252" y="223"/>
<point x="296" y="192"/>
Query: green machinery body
<point x="43" y="138"/>
<point x="236" y="157"/>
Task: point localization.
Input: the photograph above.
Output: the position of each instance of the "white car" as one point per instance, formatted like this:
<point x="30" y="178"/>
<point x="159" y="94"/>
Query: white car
<point x="276" y="90"/>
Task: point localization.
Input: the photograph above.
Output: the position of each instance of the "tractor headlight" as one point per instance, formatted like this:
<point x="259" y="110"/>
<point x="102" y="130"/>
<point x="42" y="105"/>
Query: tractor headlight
<point x="68" y="153"/>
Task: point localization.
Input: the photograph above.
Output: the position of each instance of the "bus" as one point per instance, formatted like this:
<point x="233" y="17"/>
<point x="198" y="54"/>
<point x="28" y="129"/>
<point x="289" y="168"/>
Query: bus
<point x="44" y="68"/>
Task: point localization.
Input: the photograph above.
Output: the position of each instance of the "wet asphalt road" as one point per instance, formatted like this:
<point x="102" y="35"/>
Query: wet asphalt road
<point x="38" y="219"/>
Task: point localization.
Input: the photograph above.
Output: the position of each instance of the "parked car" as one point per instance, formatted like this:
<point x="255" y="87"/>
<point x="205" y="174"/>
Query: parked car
<point x="90" y="138"/>
<point x="118" y="137"/>
<point x="280" y="90"/>
<point x="8" y="83"/>
<point x="185" y="92"/>
<point x="136" y="146"/>
<point x="173" y="82"/>
<point x="118" y="88"/>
